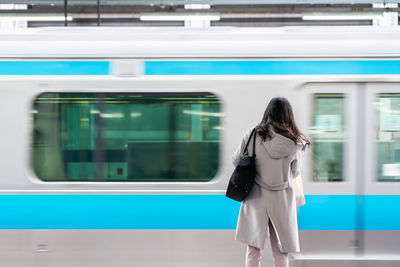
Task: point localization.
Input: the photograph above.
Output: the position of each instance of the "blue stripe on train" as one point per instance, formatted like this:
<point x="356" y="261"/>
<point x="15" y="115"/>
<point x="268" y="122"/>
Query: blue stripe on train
<point x="362" y="67"/>
<point x="54" y="67"/>
<point x="322" y="212"/>
<point x="365" y="67"/>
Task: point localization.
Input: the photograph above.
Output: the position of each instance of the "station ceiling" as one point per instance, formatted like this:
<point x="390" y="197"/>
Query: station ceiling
<point x="240" y="13"/>
<point x="182" y="2"/>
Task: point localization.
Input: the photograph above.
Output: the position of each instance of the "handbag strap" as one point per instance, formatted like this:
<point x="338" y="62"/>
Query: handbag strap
<point x="254" y="143"/>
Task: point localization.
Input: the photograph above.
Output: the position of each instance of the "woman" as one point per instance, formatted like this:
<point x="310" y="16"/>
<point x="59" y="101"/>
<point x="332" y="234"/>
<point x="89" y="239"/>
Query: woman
<point x="271" y="206"/>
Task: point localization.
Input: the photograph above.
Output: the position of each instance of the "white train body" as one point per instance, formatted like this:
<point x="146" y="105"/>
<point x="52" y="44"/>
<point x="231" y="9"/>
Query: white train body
<point x="347" y="221"/>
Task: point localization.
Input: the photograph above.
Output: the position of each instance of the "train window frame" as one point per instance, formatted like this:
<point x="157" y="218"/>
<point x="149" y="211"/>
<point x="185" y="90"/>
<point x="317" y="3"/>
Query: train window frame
<point x="219" y="141"/>
<point x="372" y="185"/>
<point x="377" y="125"/>
<point x="304" y="93"/>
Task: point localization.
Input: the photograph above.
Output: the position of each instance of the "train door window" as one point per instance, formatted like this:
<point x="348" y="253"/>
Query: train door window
<point x="387" y="136"/>
<point x="126" y="137"/>
<point x="328" y="137"/>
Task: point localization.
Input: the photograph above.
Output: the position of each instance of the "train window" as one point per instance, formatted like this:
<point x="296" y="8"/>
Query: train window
<point x="387" y="136"/>
<point x="126" y="137"/>
<point x="328" y="137"/>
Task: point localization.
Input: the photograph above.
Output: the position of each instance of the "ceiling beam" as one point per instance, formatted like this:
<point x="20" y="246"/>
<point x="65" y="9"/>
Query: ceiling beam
<point x="182" y="2"/>
<point x="267" y="9"/>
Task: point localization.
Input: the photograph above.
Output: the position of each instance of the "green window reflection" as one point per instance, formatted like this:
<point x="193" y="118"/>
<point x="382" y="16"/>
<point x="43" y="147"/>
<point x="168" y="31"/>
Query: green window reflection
<point x="387" y="136"/>
<point x="328" y="136"/>
<point x="125" y="137"/>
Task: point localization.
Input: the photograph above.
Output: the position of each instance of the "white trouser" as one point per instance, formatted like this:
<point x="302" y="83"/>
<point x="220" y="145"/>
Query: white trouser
<point x="253" y="255"/>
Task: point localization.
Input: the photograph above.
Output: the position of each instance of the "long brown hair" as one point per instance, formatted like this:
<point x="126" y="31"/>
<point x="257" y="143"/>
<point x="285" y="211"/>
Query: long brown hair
<point x="279" y="116"/>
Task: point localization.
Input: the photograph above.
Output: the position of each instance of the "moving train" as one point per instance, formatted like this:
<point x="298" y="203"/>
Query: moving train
<point x="116" y="143"/>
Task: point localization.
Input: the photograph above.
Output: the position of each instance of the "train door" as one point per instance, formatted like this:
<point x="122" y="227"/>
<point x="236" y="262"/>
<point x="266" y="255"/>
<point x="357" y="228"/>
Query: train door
<point x="329" y="221"/>
<point x="382" y="168"/>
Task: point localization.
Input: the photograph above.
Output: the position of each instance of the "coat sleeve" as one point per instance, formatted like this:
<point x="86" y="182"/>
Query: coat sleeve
<point x="296" y="164"/>
<point x="240" y="149"/>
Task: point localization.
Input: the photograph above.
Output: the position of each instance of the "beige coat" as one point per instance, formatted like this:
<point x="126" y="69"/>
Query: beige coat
<point x="272" y="197"/>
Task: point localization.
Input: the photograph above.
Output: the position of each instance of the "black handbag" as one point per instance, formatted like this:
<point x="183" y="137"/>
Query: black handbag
<point x="242" y="179"/>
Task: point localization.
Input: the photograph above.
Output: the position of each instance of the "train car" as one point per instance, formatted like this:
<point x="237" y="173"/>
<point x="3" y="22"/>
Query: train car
<point x="116" y="143"/>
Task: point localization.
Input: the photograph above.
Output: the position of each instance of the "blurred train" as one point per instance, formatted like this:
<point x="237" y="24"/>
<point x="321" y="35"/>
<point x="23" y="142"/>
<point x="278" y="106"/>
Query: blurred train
<point x="116" y="142"/>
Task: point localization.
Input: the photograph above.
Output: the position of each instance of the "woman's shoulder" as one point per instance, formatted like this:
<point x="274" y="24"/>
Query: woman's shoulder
<point x="248" y="132"/>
